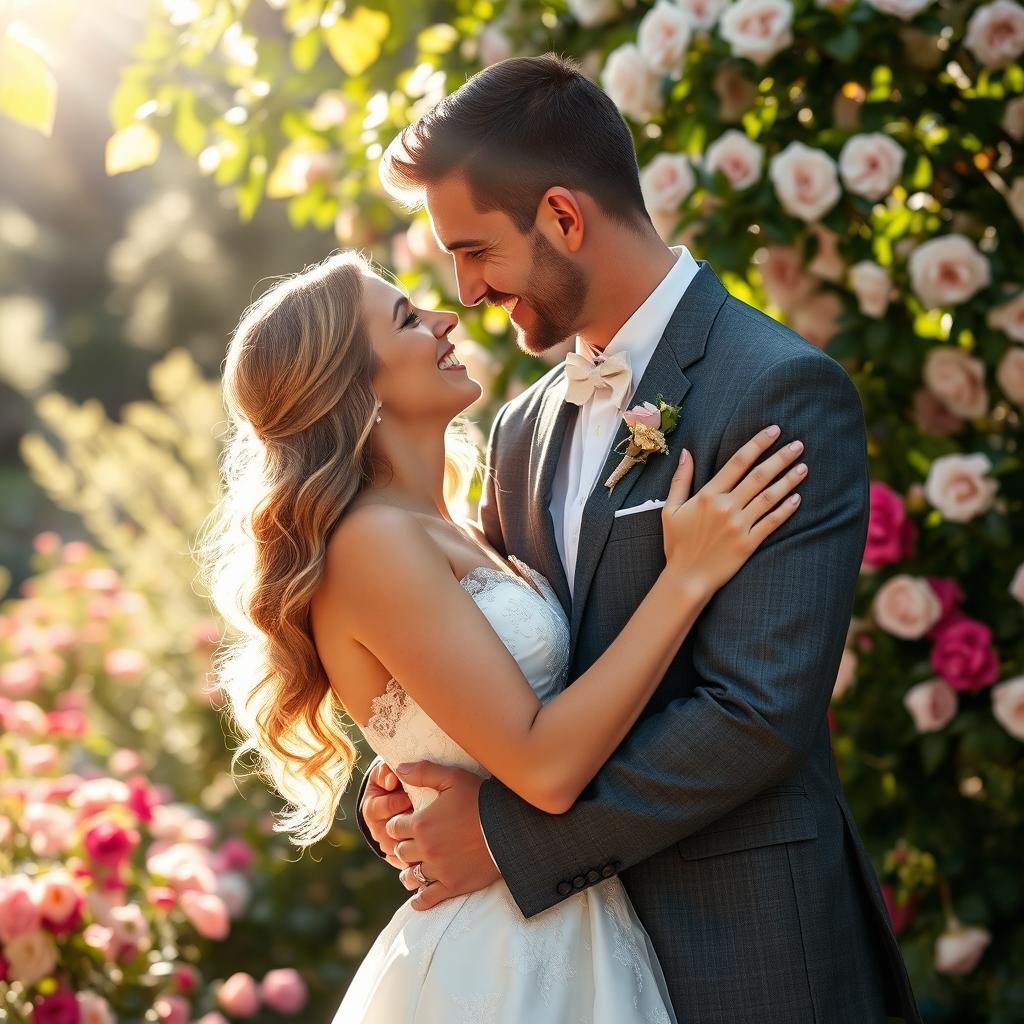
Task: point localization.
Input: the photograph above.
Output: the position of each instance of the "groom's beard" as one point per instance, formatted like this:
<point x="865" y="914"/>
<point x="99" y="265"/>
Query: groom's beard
<point x="560" y="289"/>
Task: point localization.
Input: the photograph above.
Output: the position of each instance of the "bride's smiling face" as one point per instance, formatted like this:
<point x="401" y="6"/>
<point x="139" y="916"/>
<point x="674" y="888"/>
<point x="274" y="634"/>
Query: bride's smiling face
<point x="419" y="374"/>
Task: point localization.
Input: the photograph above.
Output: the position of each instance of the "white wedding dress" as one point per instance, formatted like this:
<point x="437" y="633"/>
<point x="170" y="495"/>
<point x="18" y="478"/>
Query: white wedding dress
<point x="475" y="959"/>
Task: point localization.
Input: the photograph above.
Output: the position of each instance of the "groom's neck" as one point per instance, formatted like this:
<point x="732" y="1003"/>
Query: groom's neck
<point x="627" y="267"/>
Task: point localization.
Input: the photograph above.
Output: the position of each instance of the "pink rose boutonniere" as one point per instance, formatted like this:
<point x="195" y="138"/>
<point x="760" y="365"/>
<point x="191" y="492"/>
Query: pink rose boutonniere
<point x="648" y="424"/>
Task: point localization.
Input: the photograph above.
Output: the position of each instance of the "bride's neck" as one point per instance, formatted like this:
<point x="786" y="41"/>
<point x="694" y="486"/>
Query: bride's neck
<point x="413" y="474"/>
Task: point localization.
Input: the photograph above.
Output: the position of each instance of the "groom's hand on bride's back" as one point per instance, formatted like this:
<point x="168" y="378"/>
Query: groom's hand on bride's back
<point x="383" y="798"/>
<point x="444" y="838"/>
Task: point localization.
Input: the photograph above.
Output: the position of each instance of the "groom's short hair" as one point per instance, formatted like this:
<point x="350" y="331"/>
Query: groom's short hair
<point x="514" y="130"/>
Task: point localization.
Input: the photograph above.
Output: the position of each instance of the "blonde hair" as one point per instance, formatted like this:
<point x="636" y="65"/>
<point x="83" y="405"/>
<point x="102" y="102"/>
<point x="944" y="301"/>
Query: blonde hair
<point x="301" y="406"/>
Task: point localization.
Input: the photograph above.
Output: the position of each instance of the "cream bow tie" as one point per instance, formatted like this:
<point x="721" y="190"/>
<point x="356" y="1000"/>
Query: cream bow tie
<point x="585" y="378"/>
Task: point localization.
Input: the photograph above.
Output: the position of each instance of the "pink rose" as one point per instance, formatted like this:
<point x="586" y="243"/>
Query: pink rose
<point x="957" y="380"/>
<point x="903" y="9"/>
<point x="633" y="87"/>
<point x="124" y="663"/>
<point x="757" y="29"/>
<point x="212" y="1018"/>
<point x="957" y="485"/>
<point x="891" y="533"/>
<point x="958" y="949"/>
<point x="49" y="827"/>
<point x="817" y="317"/>
<point x="1009" y="317"/>
<point x="18" y="911"/>
<point x="239" y="995"/>
<point x="932" y="417"/>
<point x="94" y="1009"/>
<point x="643" y="415"/>
<point x="906" y="606"/>
<point x="25" y="717"/>
<point x="493" y="46"/>
<point x="590" y="13"/>
<point x="207" y="913"/>
<point x="235" y="853"/>
<point x="1017" y="584"/>
<point x="871" y="164"/>
<point x="948" y="270"/>
<point x="1008" y="706"/>
<point x="666" y="182"/>
<point x="1010" y="374"/>
<point x="284" y="990"/>
<point x="58" y="897"/>
<point x="738" y="157"/>
<point x="173" y="1010"/>
<point x="31" y="956"/>
<point x="805" y="179"/>
<point x="702" y="13"/>
<point x="736" y="93"/>
<point x="828" y="263"/>
<point x="234" y="889"/>
<point x="932" y="705"/>
<point x="871" y="284"/>
<point x="963" y="654"/>
<point x="58" y="1008"/>
<point x="1013" y="119"/>
<point x="995" y="33"/>
<point x="110" y="845"/>
<point x="782" y="273"/>
<point x="847" y="674"/>
<point x="20" y="678"/>
<point x="663" y="36"/>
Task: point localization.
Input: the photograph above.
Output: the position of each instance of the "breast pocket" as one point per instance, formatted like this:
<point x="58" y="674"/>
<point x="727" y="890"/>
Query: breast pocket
<point x="639" y="524"/>
<point x="783" y="814"/>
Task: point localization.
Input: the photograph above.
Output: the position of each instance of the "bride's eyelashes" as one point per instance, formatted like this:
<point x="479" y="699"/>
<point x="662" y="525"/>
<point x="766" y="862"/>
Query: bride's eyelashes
<point x="412" y="320"/>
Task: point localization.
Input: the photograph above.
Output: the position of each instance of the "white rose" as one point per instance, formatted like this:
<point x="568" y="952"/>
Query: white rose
<point x="957" y="380"/>
<point x="847" y="674"/>
<point x="932" y="705"/>
<point x="1008" y="706"/>
<point x="958" y="949"/>
<point x="1013" y="119"/>
<point x="703" y="13"/>
<point x="871" y="164"/>
<point x="947" y="270"/>
<point x="1009" y="317"/>
<point x="905" y="9"/>
<point x="594" y="12"/>
<point x="31" y="956"/>
<point x="757" y="29"/>
<point x="782" y="273"/>
<point x="663" y="37"/>
<point x="633" y="87"/>
<point x="816" y="318"/>
<point x="1017" y="584"/>
<point x="736" y="94"/>
<point x="666" y="181"/>
<point x="995" y="33"/>
<point x="494" y="46"/>
<point x="827" y="264"/>
<point x="805" y="180"/>
<point x="1015" y="200"/>
<point x="1010" y="374"/>
<point x="739" y="158"/>
<point x="958" y="488"/>
<point x="906" y="606"/>
<point x="872" y="286"/>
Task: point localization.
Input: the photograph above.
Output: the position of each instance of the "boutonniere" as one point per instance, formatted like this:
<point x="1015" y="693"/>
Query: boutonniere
<point x="648" y="424"/>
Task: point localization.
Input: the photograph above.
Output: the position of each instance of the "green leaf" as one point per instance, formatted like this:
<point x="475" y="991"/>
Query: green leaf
<point x="306" y="49"/>
<point x="355" y="42"/>
<point x="28" y="90"/>
<point x="844" y="44"/>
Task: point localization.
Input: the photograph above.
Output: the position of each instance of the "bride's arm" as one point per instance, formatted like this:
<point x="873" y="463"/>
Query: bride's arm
<point x="393" y="592"/>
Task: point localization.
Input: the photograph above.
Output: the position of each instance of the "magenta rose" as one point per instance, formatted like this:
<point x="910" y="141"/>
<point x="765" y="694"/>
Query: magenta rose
<point x="901" y="914"/>
<point x="58" y="1008"/>
<point x="963" y="654"/>
<point x="950" y="596"/>
<point x="891" y="533"/>
<point x="109" y="844"/>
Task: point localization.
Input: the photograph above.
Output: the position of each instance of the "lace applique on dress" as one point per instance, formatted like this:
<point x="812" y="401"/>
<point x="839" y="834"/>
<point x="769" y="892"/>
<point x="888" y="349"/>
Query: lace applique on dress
<point x="386" y="710"/>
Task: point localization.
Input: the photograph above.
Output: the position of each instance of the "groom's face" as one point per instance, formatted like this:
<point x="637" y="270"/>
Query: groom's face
<point x="542" y="288"/>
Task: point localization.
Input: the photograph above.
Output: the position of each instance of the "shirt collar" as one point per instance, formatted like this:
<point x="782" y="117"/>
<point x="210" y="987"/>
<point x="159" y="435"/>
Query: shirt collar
<point x="638" y="337"/>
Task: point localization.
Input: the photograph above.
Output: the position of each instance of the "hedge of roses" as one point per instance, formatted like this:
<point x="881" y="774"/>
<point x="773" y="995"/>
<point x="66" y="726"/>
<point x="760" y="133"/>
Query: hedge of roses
<point x="854" y="167"/>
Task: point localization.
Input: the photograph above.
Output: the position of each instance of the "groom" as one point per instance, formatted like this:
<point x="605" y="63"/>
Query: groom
<point x="722" y="810"/>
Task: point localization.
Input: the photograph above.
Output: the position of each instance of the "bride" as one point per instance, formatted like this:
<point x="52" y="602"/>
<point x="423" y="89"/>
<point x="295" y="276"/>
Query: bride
<point x="357" y="594"/>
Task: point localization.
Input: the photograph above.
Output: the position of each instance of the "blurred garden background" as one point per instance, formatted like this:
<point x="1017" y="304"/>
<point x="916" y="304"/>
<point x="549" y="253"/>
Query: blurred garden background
<point x="855" y="167"/>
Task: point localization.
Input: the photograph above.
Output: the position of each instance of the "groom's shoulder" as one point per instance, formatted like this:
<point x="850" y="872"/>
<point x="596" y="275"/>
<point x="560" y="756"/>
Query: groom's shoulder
<point x="522" y="410"/>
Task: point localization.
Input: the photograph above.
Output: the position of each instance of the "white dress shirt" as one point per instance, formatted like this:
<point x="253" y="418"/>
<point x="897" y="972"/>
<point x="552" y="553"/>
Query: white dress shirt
<point x="586" y="449"/>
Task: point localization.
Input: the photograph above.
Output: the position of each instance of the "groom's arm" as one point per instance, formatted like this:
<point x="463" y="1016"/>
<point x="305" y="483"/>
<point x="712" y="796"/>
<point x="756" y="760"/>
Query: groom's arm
<point x="766" y="651"/>
<point x="490" y="524"/>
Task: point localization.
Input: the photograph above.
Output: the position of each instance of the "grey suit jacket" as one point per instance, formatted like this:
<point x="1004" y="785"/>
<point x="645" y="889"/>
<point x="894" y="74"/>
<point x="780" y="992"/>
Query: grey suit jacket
<point x="722" y="809"/>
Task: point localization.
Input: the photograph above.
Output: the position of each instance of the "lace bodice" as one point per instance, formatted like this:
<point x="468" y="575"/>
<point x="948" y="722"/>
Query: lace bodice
<point x="529" y="619"/>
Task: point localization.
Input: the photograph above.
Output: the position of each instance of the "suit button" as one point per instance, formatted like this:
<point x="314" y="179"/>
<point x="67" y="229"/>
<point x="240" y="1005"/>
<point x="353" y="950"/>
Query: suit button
<point x="607" y="871"/>
<point x="579" y="881"/>
<point x="593" y="876"/>
<point x="564" y="888"/>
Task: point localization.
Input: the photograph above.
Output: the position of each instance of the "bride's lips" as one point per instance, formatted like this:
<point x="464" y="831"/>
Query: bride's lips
<point x="454" y="367"/>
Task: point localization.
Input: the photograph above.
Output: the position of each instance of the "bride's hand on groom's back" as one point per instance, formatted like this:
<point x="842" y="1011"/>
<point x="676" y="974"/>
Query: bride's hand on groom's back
<point x="383" y="798"/>
<point x="709" y="536"/>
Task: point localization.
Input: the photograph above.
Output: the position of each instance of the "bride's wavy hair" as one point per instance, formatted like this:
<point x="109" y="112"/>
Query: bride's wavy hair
<point x="301" y="406"/>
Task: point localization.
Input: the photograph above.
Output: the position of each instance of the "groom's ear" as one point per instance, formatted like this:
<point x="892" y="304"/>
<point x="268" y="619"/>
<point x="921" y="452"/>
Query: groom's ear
<point x="560" y="219"/>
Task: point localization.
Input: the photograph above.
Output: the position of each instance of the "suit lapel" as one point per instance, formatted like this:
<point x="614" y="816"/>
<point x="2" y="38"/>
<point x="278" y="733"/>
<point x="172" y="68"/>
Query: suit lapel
<point x="682" y="344"/>
<point x="554" y="420"/>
